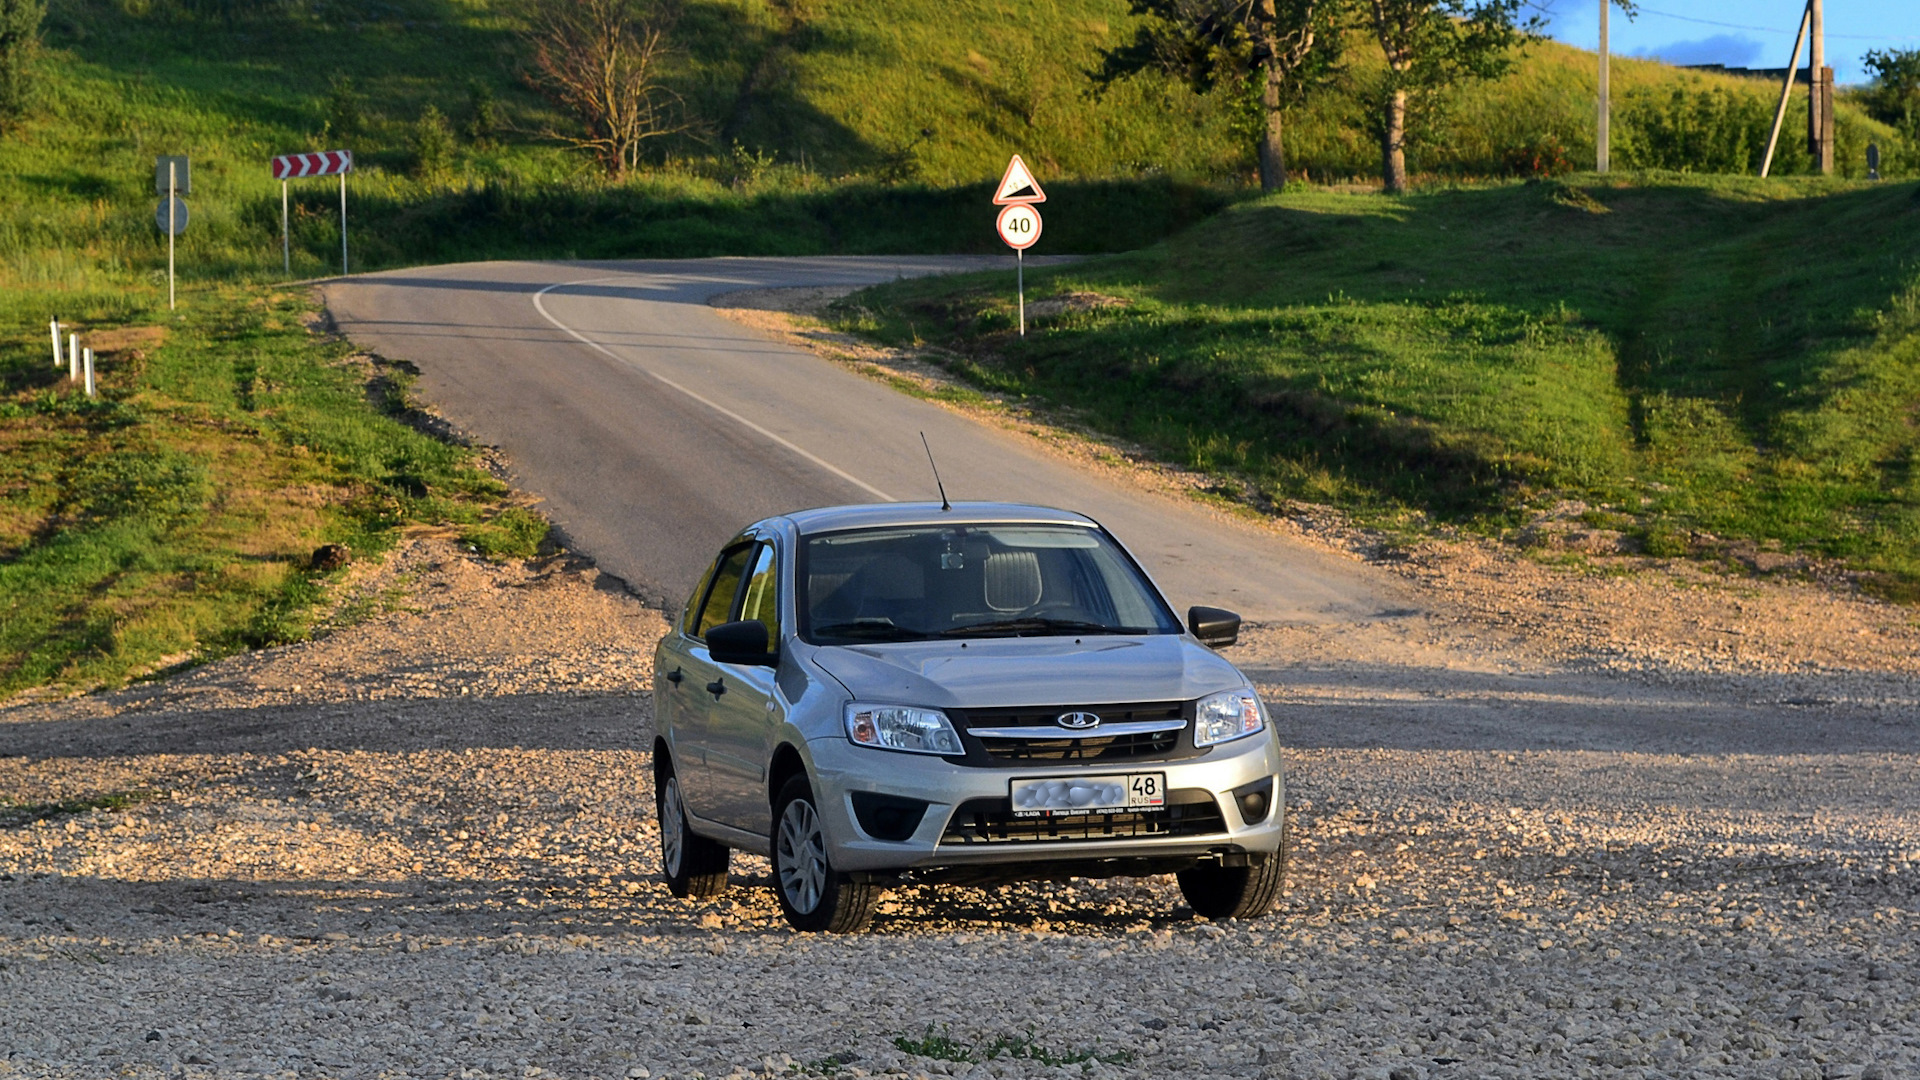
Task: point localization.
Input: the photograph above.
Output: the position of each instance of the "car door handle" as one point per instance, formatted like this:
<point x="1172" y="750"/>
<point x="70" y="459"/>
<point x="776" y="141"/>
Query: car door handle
<point x="674" y="676"/>
<point x="717" y="687"/>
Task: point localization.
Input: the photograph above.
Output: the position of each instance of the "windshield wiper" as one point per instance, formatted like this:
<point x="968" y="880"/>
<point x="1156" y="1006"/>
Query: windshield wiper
<point x="1031" y="624"/>
<point x="871" y="630"/>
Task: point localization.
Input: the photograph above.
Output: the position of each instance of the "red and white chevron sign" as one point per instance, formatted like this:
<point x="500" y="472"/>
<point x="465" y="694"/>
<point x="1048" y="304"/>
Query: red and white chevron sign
<point x="325" y="163"/>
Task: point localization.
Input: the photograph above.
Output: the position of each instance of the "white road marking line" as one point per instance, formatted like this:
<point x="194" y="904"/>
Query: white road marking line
<point x="708" y="402"/>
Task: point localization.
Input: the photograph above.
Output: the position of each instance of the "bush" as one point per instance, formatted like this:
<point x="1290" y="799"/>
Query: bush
<point x="433" y="145"/>
<point x="346" y="117"/>
<point x="483" y="114"/>
<point x="1543" y="155"/>
<point x="1692" y="130"/>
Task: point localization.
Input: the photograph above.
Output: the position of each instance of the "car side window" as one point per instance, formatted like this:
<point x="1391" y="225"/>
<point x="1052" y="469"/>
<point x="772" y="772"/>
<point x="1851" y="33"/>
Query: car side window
<point x="762" y="600"/>
<point x="726" y="586"/>
<point x="690" y="619"/>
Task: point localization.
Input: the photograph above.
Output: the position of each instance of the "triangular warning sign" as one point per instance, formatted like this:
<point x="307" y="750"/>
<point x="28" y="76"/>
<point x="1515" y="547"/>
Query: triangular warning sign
<point x="1018" y="185"/>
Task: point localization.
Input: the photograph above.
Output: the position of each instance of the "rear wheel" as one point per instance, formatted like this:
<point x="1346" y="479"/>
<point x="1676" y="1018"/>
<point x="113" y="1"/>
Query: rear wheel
<point x="813" y="895"/>
<point x="693" y="865"/>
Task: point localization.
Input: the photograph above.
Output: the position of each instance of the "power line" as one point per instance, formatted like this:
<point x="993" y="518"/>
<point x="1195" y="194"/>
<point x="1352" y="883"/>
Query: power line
<point x="1643" y="10"/>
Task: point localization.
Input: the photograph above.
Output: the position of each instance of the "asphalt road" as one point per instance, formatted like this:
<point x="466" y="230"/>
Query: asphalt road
<point x="654" y="428"/>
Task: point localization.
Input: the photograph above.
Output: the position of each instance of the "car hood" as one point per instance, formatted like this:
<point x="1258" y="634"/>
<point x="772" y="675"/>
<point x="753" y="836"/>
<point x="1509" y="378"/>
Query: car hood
<point x="1004" y="672"/>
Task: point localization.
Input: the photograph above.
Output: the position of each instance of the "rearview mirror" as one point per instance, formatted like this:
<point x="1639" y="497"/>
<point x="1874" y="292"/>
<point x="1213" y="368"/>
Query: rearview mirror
<point x="743" y="642"/>
<point x="1215" y="627"/>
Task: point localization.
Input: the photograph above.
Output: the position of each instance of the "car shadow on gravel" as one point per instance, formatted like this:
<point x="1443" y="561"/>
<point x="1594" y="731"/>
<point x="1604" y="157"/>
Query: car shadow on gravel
<point x="1419" y="708"/>
<point x="609" y="721"/>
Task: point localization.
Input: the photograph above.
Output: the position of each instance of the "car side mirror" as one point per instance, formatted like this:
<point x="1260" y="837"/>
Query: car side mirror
<point x="743" y="642"/>
<point x="1215" y="627"/>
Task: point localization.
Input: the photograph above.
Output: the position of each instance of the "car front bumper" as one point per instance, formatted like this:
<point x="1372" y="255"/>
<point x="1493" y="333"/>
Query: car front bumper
<point x="839" y="769"/>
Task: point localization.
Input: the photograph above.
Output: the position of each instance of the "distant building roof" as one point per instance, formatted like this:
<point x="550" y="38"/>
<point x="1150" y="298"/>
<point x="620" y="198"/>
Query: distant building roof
<point x="1771" y="74"/>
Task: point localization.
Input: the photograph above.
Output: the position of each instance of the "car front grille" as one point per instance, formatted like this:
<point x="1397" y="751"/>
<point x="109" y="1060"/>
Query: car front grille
<point x="1111" y="748"/>
<point x="991" y="821"/>
<point x="1048" y="744"/>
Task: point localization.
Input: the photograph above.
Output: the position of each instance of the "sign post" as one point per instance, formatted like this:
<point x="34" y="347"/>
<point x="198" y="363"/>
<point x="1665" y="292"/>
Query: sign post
<point x="172" y="178"/>
<point x="1019" y="223"/>
<point x="295" y="166"/>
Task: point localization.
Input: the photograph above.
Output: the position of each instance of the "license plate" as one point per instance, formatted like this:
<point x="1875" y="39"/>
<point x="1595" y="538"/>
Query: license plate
<point x="1051" y="796"/>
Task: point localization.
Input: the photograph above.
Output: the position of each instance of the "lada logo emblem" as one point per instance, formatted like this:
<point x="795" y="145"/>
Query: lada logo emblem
<point x="1077" y="721"/>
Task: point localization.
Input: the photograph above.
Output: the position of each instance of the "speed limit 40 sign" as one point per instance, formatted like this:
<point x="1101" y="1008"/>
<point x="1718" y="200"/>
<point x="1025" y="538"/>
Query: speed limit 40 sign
<point x="1019" y="226"/>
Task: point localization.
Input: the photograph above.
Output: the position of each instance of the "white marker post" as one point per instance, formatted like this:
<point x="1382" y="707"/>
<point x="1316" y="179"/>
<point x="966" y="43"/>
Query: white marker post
<point x="286" y="243"/>
<point x="73" y="357"/>
<point x="88" y="362"/>
<point x="343" y="223"/>
<point x="56" y="342"/>
<point x="1019" y="223"/>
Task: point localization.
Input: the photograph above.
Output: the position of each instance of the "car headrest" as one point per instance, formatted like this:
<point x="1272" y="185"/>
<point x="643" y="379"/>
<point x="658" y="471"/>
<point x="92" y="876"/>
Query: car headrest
<point x="1013" y="580"/>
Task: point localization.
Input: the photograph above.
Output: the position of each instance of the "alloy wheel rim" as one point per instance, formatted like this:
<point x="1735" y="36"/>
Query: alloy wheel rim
<point x="672" y="828"/>
<point x="803" y="857"/>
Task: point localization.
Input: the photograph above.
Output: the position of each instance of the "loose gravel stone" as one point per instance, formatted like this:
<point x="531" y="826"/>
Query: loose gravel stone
<point x="423" y="846"/>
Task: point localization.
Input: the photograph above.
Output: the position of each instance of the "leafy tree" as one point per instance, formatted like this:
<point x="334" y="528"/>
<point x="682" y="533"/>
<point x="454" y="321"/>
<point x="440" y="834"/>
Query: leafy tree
<point x="603" y="62"/>
<point x="1894" y="97"/>
<point x="1430" y="45"/>
<point x="1284" y="46"/>
<point x="19" y="38"/>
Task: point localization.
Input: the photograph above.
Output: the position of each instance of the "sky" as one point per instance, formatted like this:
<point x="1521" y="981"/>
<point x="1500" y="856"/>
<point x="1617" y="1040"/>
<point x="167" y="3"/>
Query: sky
<point x="1740" y="33"/>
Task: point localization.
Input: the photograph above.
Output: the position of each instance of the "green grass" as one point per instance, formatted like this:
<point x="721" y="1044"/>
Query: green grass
<point x="174" y="515"/>
<point x="1724" y="356"/>
<point x="15" y="814"/>
<point x="943" y="1047"/>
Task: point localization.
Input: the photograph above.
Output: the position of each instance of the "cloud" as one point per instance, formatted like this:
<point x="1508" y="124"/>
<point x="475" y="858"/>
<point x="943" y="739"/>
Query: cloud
<point x="1729" y="49"/>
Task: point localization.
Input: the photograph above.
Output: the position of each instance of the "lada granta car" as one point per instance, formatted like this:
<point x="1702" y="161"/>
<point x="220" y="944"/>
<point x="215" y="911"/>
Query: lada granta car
<point x="871" y="695"/>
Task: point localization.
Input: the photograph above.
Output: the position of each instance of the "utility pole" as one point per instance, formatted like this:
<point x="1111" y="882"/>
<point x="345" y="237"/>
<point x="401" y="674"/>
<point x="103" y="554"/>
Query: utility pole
<point x="1603" y="148"/>
<point x="1786" y="92"/>
<point x="1820" y="98"/>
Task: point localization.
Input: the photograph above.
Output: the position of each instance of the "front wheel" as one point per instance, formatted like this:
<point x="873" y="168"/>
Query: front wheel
<point x="813" y="895"/>
<point x="1237" y="892"/>
<point x="694" y="865"/>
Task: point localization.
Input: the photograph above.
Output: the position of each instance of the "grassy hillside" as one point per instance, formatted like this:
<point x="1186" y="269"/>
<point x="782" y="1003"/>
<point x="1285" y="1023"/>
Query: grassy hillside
<point x="1464" y="352"/>
<point x="1700" y="360"/>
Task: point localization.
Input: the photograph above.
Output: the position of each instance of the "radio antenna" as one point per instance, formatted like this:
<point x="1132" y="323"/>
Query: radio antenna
<point x="944" y="504"/>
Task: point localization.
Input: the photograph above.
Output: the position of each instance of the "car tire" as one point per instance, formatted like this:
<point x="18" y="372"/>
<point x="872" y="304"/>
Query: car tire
<point x="813" y="895"/>
<point x="692" y="864"/>
<point x="1236" y="892"/>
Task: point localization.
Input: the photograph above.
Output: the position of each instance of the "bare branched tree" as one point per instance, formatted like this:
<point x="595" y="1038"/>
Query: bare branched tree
<point x="603" y="62"/>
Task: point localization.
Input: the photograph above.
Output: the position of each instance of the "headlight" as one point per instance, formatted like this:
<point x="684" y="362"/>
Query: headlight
<point x="901" y="727"/>
<point x="1229" y="715"/>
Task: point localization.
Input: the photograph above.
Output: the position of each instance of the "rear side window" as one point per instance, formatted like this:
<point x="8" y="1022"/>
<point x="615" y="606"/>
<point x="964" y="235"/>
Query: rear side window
<point x="762" y="599"/>
<point x="722" y="590"/>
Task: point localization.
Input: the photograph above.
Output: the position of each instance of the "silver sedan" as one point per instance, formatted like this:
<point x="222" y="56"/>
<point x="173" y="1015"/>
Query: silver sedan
<point x="979" y="693"/>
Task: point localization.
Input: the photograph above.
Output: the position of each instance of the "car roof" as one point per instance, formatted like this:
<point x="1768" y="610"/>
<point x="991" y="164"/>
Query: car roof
<point x="884" y="515"/>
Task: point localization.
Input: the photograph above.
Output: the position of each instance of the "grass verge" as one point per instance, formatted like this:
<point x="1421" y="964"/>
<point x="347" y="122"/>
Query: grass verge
<point x="174" y="516"/>
<point x="1708" y="362"/>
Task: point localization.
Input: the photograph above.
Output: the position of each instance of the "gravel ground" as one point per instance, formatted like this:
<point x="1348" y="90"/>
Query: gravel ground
<point x="420" y="847"/>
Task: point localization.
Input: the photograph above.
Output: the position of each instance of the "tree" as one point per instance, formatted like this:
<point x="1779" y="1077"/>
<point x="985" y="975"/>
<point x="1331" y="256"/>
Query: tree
<point x="1286" y="45"/>
<point x="1430" y="45"/>
<point x="1894" y="97"/>
<point x="603" y="61"/>
<point x="19" y="37"/>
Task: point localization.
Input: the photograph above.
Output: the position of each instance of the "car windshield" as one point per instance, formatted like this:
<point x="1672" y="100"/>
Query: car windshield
<point x="935" y="582"/>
